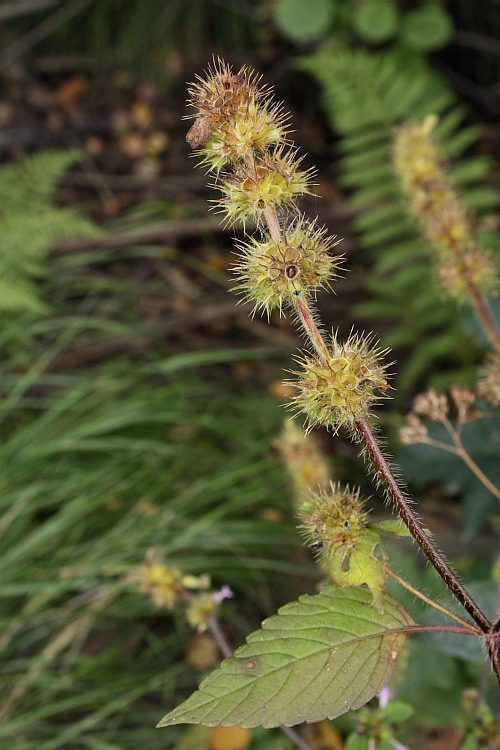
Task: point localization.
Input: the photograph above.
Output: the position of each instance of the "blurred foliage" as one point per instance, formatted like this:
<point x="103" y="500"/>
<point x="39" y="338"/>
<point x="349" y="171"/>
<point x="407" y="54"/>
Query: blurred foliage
<point x="134" y="32"/>
<point x="98" y="466"/>
<point x="31" y="222"/>
<point x="438" y="668"/>
<point x="366" y="94"/>
<point x="101" y="463"/>
<point x="427" y="26"/>
<point x="424" y="465"/>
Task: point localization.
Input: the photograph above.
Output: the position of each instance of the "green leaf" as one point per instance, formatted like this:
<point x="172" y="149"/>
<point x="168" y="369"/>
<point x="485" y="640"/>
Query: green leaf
<point x="391" y="527"/>
<point x="396" y="711"/>
<point x="383" y="744"/>
<point x="317" y="658"/>
<point x="376" y="22"/>
<point x="304" y="21"/>
<point x="426" y="28"/>
<point x="357" y="741"/>
<point x="359" y="565"/>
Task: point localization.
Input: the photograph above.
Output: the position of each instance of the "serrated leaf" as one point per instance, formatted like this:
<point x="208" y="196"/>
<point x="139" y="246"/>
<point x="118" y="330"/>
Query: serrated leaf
<point x="317" y="658"/>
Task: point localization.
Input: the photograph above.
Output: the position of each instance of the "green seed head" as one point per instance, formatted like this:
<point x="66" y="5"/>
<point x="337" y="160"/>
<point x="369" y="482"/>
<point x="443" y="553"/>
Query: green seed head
<point x="273" y="182"/>
<point x="333" y="517"/>
<point x="272" y="273"/>
<point x="342" y="389"/>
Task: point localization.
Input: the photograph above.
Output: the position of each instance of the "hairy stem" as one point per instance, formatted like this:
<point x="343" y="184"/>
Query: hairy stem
<point x="395" y="493"/>
<point x="273" y="224"/>
<point x="432" y="602"/>
<point x="383" y="471"/>
<point x="309" y="324"/>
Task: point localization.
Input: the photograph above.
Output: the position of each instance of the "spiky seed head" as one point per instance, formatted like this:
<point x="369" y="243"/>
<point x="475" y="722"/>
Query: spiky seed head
<point x="338" y="391"/>
<point x="257" y="128"/>
<point x="221" y="93"/>
<point x="333" y="517"/>
<point x="274" y="182"/>
<point x="272" y="273"/>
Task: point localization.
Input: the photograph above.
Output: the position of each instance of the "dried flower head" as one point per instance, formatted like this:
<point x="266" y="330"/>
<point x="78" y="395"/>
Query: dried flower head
<point x="431" y="404"/>
<point x="463" y="399"/>
<point x="341" y="390"/>
<point x="413" y="431"/>
<point x="233" y="116"/>
<point x="221" y="93"/>
<point x="489" y="381"/>
<point x="271" y="273"/>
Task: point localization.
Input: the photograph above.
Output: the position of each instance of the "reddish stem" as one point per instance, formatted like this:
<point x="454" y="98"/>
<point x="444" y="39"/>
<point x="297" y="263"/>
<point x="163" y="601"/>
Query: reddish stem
<point x="434" y="556"/>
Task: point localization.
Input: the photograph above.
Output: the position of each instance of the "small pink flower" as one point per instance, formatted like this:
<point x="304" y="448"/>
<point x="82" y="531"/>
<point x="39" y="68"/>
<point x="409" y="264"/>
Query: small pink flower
<point x="224" y="593"/>
<point x="384" y="697"/>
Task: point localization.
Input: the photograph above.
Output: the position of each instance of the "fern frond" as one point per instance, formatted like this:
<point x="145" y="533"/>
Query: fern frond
<point x="30" y="224"/>
<point x="366" y="95"/>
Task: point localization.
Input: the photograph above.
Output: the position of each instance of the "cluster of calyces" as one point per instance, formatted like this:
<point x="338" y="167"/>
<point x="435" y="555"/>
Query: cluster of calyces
<point x="240" y="135"/>
<point x="233" y="116"/>
<point x="341" y="388"/>
<point x="272" y="273"/>
<point x="456" y="408"/>
<point x="432" y="198"/>
<point x="262" y="184"/>
<point x="333" y="517"/>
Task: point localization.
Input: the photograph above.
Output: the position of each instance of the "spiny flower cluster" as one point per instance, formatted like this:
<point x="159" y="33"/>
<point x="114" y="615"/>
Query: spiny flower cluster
<point x="241" y="136"/>
<point x="271" y="273"/>
<point x="333" y="518"/>
<point x="444" y="219"/>
<point x="237" y="128"/>
<point x="340" y="389"/>
<point x="233" y="116"/>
